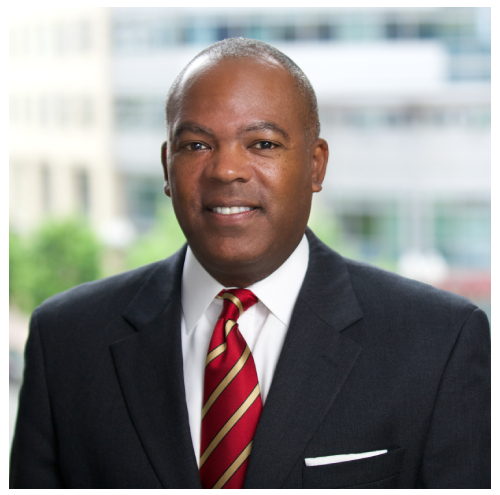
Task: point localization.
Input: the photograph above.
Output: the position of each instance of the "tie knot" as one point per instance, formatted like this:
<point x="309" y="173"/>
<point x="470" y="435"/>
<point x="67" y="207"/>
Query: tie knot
<point x="236" y="301"/>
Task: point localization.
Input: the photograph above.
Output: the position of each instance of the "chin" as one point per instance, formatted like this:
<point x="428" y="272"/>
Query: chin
<point x="231" y="259"/>
<point x="234" y="260"/>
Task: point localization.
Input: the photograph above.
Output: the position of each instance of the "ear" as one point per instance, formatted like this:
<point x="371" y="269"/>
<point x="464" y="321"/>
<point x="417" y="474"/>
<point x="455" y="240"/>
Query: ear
<point x="319" y="160"/>
<point x="166" y="186"/>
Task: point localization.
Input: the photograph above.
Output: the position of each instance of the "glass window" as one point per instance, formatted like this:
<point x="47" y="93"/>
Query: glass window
<point x="188" y="34"/>
<point x="61" y="38"/>
<point x="289" y="33"/>
<point x="327" y="31"/>
<point x="461" y="30"/>
<point x="43" y="110"/>
<point x="86" y="111"/>
<point x="83" y="191"/>
<point x="41" y="39"/>
<point x="132" y="34"/>
<point x="236" y="31"/>
<point x="13" y="109"/>
<point x="62" y="110"/>
<point x="371" y="227"/>
<point x="463" y="233"/>
<point x="139" y="112"/>
<point x="28" y="110"/>
<point x="391" y="30"/>
<point x="84" y="35"/>
<point x="163" y="34"/>
<point x="46" y="185"/>
<point x="222" y="32"/>
<point x="255" y="31"/>
<point x="199" y="31"/>
<point x="25" y="41"/>
<point x="427" y="30"/>
<point x="143" y="196"/>
<point x="13" y="42"/>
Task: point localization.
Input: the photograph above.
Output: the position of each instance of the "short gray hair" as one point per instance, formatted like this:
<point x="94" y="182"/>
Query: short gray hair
<point x="244" y="47"/>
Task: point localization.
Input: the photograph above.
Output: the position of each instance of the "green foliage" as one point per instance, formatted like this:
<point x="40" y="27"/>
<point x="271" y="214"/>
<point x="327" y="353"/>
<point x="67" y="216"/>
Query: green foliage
<point x="19" y="270"/>
<point x="164" y="239"/>
<point x="62" y="254"/>
<point x="325" y="226"/>
<point x="59" y="255"/>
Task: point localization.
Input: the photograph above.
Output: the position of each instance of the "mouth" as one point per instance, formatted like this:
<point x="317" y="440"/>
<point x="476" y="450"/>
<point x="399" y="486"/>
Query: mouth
<point x="231" y="215"/>
<point x="231" y="210"/>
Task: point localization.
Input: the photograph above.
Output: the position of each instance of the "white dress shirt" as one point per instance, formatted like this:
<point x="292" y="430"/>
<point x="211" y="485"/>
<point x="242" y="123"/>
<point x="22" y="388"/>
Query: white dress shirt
<point x="263" y="326"/>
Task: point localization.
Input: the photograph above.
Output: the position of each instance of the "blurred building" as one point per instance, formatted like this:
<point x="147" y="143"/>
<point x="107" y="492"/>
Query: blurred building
<point x="61" y="117"/>
<point x="404" y="96"/>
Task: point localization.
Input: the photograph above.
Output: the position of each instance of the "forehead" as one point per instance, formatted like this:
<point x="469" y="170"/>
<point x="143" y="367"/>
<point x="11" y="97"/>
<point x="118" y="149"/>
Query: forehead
<point x="238" y="89"/>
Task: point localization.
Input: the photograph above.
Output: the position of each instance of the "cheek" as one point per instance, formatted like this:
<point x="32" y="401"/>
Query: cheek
<point x="183" y="179"/>
<point x="291" y="195"/>
<point x="293" y="182"/>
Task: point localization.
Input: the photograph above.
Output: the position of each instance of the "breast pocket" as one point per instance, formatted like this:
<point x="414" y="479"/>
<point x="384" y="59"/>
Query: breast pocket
<point x="381" y="471"/>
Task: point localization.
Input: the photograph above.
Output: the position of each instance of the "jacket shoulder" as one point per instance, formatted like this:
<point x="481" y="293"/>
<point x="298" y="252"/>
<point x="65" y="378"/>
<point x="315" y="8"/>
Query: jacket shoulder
<point x="119" y="288"/>
<point x="388" y="291"/>
<point x="111" y="294"/>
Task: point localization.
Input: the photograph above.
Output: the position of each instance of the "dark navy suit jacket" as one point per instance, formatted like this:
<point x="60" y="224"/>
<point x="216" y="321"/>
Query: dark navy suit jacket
<point x="371" y="361"/>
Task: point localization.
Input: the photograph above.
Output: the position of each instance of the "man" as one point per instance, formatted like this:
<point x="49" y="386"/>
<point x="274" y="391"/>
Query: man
<point x="256" y="356"/>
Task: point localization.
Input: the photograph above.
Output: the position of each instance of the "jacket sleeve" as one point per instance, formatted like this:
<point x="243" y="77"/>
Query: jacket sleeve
<point x="34" y="460"/>
<point x="458" y="448"/>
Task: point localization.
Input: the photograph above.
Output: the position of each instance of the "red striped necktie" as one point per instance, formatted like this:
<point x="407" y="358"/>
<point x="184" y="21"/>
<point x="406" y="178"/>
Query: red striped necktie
<point x="231" y="402"/>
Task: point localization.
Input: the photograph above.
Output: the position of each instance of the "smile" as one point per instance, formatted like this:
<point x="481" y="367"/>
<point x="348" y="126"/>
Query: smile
<point x="233" y="210"/>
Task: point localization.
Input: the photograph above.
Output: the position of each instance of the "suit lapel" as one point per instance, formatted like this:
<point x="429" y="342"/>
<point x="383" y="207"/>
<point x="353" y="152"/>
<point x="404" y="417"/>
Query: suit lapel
<point x="149" y="368"/>
<point x="314" y="363"/>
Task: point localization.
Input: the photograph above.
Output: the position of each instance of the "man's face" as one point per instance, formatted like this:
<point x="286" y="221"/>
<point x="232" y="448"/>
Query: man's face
<point x="240" y="168"/>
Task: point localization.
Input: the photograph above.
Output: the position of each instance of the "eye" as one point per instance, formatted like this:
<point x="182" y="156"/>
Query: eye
<point x="264" y="145"/>
<point x="196" y="146"/>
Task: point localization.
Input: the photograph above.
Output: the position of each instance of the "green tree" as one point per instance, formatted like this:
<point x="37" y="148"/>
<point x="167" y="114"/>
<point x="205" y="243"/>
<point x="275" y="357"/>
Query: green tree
<point x="164" y="239"/>
<point x="59" y="255"/>
<point x="19" y="271"/>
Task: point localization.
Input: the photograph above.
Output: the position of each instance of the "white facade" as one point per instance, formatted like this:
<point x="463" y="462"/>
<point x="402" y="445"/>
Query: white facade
<point x="61" y="159"/>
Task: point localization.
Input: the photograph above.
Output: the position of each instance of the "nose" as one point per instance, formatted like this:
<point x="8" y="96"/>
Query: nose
<point x="229" y="163"/>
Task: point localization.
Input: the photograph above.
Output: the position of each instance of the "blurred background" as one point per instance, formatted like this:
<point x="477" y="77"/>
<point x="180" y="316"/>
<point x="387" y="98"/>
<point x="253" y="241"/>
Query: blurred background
<point x="404" y="100"/>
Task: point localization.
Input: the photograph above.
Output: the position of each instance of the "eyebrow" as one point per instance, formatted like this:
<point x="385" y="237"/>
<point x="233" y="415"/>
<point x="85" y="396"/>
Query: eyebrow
<point x="264" y="126"/>
<point x="256" y="126"/>
<point x="192" y="127"/>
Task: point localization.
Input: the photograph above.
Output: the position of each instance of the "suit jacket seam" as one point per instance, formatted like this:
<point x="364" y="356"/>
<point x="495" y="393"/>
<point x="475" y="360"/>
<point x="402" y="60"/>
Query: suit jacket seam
<point x="328" y="323"/>
<point x="312" y="309"/>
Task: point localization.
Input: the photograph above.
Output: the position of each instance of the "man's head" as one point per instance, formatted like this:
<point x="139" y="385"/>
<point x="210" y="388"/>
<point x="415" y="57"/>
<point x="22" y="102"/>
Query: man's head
<point x="239" y="48"/>
<point x="242" y="139"/>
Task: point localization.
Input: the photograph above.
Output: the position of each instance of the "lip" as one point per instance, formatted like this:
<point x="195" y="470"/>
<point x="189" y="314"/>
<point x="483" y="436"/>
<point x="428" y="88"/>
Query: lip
<point x="228" y="203"/>
<point x="233" y="219"/>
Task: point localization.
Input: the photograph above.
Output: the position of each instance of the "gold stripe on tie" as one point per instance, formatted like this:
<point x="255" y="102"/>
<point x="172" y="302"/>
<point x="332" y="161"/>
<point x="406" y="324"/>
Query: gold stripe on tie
<point x="227" y="380"/>
<point x="234" y="466"/>
<point x="230" y="423"/>
<point x="221" y="348"/>
<point x="216" y="352"/>
<point x="229" y="326"/>
<point x="233" y="299"/>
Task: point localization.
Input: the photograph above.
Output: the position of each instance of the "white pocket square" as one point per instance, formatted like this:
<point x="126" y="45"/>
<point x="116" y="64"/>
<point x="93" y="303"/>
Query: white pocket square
<point x="333" y="459"/>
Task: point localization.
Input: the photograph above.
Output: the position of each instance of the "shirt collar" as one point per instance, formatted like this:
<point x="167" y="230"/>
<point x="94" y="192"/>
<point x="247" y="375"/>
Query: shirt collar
<point x="278" y="292"/>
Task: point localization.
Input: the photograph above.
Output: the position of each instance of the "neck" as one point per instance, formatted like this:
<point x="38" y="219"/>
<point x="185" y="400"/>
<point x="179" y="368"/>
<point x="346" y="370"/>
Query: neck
<point x="241" y="280"/>
<point x="243" y="275"/>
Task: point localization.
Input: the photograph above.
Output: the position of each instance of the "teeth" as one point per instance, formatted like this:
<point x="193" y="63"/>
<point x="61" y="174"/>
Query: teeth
<point x="224" y="210"/>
